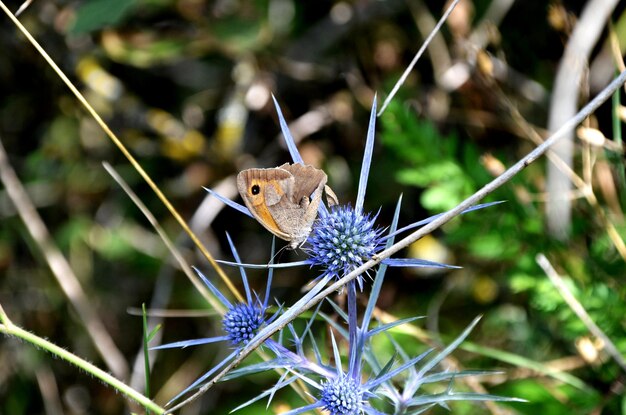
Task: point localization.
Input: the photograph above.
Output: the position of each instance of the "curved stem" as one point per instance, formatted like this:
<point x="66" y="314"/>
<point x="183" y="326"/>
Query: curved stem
<point x="8" y="328"/>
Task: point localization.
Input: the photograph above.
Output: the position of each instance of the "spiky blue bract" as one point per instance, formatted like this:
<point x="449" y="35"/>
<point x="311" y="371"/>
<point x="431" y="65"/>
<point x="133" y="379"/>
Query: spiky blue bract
<point x="342" y="240"/>
<point x="367" y="159"/>
<point x="342" y="396"/>
<point x="242" y="321"/>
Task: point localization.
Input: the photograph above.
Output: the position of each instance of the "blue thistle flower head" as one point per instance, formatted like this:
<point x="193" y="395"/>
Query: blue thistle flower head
<point x="342" y="396"/>
<point x="343" y="239"/>
<point x="242" y="321"/>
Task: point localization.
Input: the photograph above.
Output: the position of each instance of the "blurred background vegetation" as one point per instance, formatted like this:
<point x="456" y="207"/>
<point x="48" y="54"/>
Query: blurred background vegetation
<point x="186" y="85"/>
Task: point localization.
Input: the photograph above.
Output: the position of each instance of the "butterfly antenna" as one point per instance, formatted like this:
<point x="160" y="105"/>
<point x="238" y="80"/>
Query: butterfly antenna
<point x="272" y="260"/>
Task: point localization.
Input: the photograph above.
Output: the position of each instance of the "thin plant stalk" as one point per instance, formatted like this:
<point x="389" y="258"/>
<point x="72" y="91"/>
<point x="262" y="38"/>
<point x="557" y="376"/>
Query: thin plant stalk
<point x="7" y="327"/>
<point x="419" y="53"/>
<point x="184" y="265"/>
<point x="146" y="354"/>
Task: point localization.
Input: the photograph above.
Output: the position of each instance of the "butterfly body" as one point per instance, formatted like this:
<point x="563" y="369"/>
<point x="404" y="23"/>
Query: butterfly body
<point x="284" y="199"/>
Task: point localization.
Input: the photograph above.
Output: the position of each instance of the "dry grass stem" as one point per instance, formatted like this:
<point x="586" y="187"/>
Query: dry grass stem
<point x="102" y="341"/>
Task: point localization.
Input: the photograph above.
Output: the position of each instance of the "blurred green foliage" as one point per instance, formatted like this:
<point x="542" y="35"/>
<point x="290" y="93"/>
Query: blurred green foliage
<point x="97" y="14"/>
<point x="185" y="84"/>
<point x="431" y="159"/>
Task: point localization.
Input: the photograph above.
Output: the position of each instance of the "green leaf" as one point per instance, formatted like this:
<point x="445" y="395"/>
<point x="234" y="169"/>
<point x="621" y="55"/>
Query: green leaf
<point x="442" y="197"/>
<point x="96" y="14"/>
<point x="494" y="246"/>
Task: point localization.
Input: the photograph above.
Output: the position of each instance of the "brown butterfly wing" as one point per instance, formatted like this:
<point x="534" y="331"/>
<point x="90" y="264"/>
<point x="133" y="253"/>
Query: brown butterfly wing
<point x="309" y="184"/>
<point x="308" y="180"/>
<point x="261" y="191"/>
<point x="286" y="199"/>
<point x="279" y="180"/>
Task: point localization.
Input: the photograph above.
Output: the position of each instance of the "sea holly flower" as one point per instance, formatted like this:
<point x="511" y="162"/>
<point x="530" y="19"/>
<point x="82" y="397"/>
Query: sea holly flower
<point x="241" y="322"/>
<point x="366" y="385"/>
<point x="342" y="395"/>
<point x="342" y="391"/>
<point x="342" y="239"/>
<point x="345" y="237"/>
